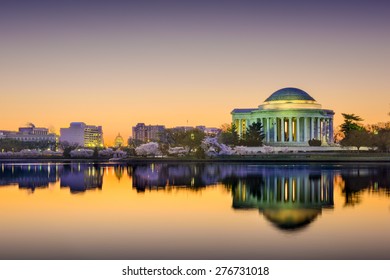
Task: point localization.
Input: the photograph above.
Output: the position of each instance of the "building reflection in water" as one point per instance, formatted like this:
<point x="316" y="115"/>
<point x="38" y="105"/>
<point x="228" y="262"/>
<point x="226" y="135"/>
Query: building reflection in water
<point x="28" y="176"/>
<point x="161" y="176"/>
<point x="80" y="178"/>
<point x="289" y="198"/>
<point x="270" y="188"/>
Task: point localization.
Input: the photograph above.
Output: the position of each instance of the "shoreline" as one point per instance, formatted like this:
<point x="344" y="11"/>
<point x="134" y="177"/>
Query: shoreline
<point x="279" y="158"/>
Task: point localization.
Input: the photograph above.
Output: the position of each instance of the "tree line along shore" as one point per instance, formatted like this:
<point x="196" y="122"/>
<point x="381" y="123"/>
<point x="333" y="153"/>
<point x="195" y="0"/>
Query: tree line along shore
<point x="353" y="140"/>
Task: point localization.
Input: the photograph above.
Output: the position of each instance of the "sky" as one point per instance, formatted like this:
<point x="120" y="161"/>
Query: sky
<point x="116" y="63"/>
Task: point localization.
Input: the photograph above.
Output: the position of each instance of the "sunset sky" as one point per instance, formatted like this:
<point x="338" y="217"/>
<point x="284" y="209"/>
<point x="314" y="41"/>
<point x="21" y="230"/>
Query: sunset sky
<point x="117" y="63"/>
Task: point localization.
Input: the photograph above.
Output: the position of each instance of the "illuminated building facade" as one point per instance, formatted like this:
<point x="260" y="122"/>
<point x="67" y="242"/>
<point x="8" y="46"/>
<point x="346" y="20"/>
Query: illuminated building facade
<point x="146" y="133"/>
<point x="290" y="117"/>
<point x="83" y="135"/>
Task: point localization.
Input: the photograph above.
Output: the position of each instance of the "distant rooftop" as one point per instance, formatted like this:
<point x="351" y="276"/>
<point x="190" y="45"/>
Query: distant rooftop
<point x="243" y="110"/>
<point x="77" y="124"/>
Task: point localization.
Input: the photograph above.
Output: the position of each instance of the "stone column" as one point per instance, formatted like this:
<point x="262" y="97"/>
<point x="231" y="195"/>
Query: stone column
<point x="275" y="129"/>
<point x="297" y="133"/>
<point x="318" y="129"/>
<point x="326" y="130"/>
<point x="266" y="129"/>
<point x="290" y="129"/>
<point x="312" y="128"/>
<point x="282" y="130"/>
<point x="331" y="130"/>
<point x="269" y="121"/>
<point x="241" y="126"/>
<point x="305" y="129"/>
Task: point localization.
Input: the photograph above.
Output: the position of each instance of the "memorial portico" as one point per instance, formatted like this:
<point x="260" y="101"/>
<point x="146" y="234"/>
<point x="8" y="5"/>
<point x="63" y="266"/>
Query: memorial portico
<point x="290" y="117"/>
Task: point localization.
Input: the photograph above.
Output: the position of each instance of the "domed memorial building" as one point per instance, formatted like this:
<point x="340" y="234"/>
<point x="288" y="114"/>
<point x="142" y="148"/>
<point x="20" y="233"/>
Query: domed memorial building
<point x="290" y="117"/>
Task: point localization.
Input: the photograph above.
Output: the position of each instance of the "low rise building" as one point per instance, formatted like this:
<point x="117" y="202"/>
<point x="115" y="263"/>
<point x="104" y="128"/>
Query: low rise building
<point x="30" y="134"/>
<point x="183" y="128"/>
<point x="3" y="134"/>
<point x="210" y="131"/>
<point x="147" y="133"/>
<point x="78" y="133"/>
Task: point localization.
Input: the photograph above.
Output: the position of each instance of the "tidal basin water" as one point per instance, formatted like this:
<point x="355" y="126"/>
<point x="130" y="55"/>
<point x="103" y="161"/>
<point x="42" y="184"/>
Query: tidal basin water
<point x="194" y="211"/>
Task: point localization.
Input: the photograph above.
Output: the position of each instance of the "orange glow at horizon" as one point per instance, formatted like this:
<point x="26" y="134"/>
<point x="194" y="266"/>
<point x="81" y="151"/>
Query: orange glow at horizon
<point x="207" y="108"/>
<point x="118" y="67"/>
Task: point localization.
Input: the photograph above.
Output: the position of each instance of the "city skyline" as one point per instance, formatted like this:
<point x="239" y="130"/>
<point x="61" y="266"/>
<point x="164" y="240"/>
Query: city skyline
<point x="171" y="63"/>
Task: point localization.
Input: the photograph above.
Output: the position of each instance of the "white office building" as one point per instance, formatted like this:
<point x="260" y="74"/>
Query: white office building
<point x="83" y="135"/>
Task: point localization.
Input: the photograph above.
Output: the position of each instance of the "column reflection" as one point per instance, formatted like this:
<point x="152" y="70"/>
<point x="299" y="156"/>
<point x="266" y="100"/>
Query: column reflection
<point x="289" y="198"/>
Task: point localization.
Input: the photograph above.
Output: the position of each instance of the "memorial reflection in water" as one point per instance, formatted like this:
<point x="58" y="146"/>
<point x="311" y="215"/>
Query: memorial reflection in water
<point x="195" y="211"/>
<point x="289" y="198"/>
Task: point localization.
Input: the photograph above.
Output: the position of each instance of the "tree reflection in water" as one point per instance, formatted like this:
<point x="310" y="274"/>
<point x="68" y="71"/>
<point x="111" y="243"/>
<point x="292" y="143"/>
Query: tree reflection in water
<point x="359" y="178"/>
<point x="273" y="189"/>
